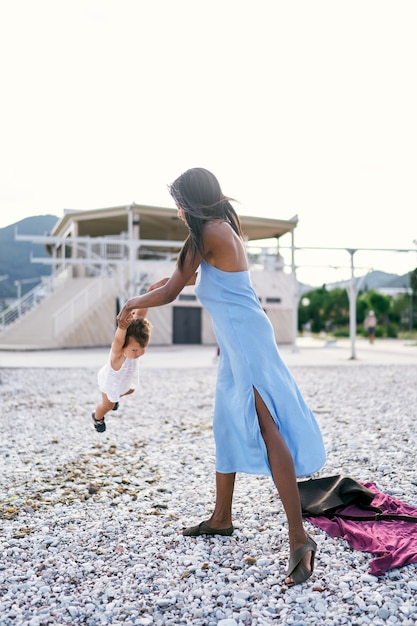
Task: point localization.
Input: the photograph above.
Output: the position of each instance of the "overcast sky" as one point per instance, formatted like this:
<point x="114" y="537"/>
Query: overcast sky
<point x="299" y="107"/>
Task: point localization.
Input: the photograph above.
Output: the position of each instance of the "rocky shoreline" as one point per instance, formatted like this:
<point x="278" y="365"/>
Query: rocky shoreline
<point x="91" y="524"/>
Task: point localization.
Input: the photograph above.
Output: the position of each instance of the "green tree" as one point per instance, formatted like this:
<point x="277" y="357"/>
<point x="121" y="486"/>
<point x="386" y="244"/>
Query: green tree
<point x="336" y="309"/>
<point x="413" y="281"/>
<point x="329" y="310"/>
<point x="313" y="312"/>
<point x="380" y="304"/>
<point x="400" y="311"/>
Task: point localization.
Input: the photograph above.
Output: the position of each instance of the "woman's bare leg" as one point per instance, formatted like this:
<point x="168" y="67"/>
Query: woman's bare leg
<point x="222" y="514"/>
<point x="283" y="474"/>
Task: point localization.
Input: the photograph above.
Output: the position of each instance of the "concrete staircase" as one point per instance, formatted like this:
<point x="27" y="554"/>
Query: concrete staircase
<point x="79" y="313"/>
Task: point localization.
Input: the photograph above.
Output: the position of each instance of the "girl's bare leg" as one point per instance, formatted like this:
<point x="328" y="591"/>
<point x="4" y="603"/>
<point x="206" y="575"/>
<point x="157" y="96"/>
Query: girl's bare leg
<point x="283" y="474"/>
<point x="222" y="514"/>
<point x="104" y="407"/>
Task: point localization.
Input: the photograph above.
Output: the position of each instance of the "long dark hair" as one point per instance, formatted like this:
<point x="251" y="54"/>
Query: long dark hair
<point x="198" y="193"/>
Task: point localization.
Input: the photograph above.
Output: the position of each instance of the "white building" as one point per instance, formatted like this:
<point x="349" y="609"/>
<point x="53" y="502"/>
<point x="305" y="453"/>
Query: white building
<point x="101" y="257"/>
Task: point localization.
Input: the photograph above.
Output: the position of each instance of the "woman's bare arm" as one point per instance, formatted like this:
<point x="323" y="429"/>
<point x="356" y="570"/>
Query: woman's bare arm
<point x="165" y="290"/>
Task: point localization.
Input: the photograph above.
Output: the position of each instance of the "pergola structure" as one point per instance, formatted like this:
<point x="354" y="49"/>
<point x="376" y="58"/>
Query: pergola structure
<point x="155" y="224"/>
<point x="138" y="231"/>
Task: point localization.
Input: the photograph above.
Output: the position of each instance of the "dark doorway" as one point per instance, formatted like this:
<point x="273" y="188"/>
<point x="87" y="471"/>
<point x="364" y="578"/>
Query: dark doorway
<point x="187" y="324"/>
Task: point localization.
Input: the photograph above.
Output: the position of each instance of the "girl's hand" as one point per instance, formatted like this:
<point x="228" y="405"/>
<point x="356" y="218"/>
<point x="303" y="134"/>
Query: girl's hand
<point x="125" y="314"/>
<point x="124" y="322"/>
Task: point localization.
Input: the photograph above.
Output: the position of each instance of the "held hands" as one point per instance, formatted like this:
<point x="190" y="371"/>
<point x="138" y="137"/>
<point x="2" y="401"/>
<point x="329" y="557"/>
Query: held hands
<point x="123" y="322"/>
<point x="127" y="316"/>
<point x="130" y="307"/>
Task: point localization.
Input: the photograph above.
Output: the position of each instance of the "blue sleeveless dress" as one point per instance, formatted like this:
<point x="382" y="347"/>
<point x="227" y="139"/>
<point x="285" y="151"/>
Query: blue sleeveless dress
<point x="249" y="358"/>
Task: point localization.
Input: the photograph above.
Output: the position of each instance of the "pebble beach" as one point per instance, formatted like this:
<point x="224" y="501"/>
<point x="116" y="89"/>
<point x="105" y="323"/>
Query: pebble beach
<point x="91" y="523"/>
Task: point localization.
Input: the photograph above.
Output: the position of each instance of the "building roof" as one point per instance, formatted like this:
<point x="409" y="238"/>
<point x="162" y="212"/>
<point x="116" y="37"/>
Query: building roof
<point x="157" y="223"/>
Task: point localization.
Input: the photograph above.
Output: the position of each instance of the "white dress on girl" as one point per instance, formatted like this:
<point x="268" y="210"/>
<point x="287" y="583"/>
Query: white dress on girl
<point x="115" y="383"/>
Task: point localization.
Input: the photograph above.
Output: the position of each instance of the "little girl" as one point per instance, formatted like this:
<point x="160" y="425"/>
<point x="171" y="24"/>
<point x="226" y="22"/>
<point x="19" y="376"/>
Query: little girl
<point x="120" y="375"/>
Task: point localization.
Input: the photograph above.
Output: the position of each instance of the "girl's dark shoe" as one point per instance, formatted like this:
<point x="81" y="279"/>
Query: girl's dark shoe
<point x="99" y="425"/>
<point x="115" y="407"/>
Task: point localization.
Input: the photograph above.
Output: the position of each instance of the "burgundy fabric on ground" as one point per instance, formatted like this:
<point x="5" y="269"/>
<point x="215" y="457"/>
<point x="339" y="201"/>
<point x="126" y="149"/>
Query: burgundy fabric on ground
<point x="394" y="542"/>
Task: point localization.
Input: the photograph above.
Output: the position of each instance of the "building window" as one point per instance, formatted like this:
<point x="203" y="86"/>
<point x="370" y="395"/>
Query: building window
<point x="184" y="296"/>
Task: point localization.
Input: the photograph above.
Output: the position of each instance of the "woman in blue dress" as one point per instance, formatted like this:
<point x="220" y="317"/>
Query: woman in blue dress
<point x="262" y="425"/>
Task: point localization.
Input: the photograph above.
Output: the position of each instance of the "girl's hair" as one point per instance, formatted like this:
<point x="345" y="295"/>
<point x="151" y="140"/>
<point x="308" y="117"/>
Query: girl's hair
<point x="198" y="193"/>
<point x="140" y="330"/>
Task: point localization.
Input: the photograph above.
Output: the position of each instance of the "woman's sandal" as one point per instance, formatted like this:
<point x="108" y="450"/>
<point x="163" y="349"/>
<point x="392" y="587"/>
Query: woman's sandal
<point x="296" y="570"/>
<point x="204" y="529"/>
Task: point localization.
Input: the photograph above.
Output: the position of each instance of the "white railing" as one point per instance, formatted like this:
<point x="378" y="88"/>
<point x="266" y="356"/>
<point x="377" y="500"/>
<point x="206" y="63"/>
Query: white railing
<point x="78" y="306"/>
<point x="27" y="302"/>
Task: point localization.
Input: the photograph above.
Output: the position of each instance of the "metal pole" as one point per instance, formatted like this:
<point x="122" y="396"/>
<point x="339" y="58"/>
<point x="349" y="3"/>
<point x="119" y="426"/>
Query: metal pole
<point x="131" y="290"/>
<point x="352" y="292"/>
<point x="296" y="295"/>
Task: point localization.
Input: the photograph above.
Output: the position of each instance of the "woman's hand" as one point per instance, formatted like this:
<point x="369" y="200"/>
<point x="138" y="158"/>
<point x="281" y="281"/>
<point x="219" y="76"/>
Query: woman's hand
<point x="125" y="314"/>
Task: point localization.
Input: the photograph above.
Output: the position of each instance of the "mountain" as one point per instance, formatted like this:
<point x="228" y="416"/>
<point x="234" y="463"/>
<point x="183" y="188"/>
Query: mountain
<point x="399" y="282"/>
<point x="15" y="255"/>
<point x="376" y="280"/>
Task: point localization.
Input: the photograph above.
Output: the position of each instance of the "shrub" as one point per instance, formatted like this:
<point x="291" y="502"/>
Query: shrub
<point x="392" y="330"/>
<point x="341" y="332"/>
